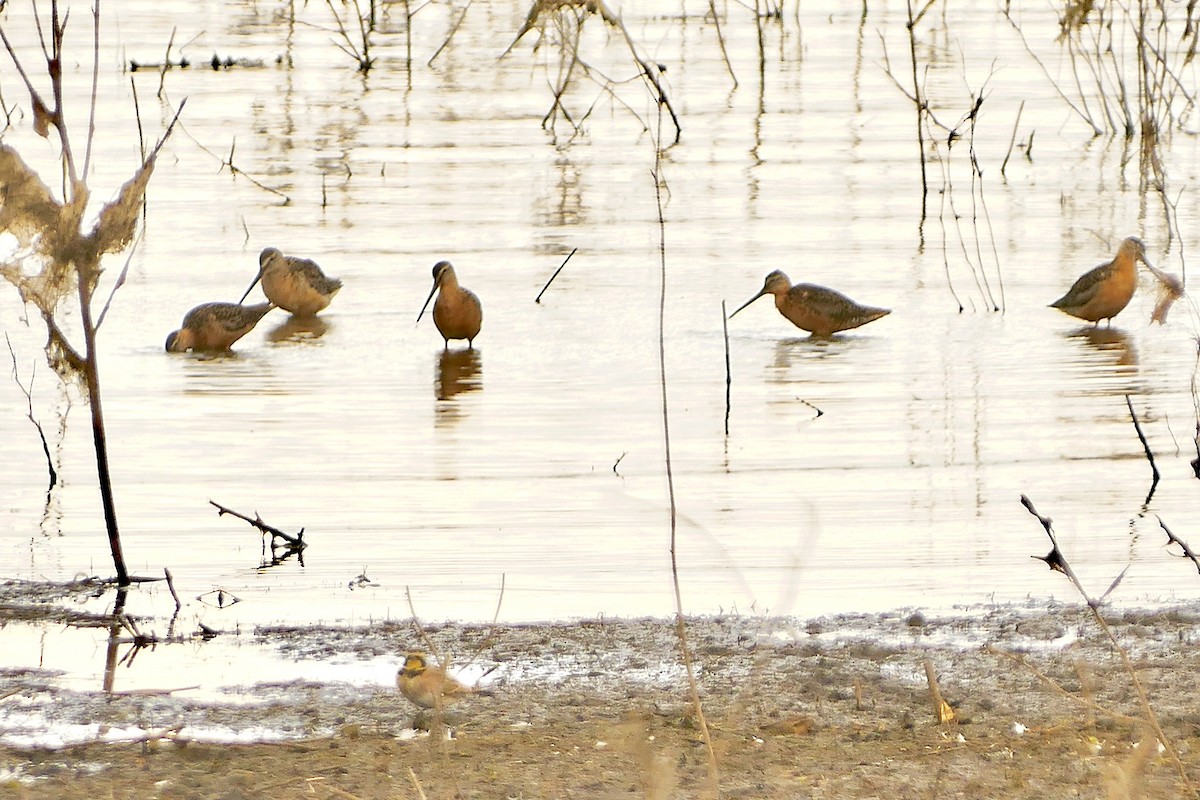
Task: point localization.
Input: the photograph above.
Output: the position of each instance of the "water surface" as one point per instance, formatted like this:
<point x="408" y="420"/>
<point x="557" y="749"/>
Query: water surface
<point x="877" y="470"/>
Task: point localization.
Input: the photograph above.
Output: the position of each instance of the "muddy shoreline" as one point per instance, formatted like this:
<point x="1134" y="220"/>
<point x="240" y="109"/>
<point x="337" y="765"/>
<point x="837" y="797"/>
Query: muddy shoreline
<point x="830" y="707"/>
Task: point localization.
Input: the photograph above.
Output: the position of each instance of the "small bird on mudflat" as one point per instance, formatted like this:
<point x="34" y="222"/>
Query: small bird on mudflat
<point x="1103" y="292"/>
<point x="813" y="308"/>
<point x="294" y="284"/>
<point x="429" y="686"/>
<point x="457" y="313"/>
<point x="215" y="326"/>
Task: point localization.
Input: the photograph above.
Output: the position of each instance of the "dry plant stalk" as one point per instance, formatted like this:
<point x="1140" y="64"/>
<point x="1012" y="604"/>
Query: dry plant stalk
<point x="65" y="256"/>
<point x="567" y="18"/>
<point x="942" y="712"/>
<point x="1058" y="562"/>
<point x="714" y="776"/>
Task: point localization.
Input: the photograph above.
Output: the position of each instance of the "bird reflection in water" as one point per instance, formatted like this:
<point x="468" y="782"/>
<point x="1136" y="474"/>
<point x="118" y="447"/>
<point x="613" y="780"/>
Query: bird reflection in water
<point x="299" y="329"/>
<point x="458" y="371"/>
<point x="1114" y="343"/>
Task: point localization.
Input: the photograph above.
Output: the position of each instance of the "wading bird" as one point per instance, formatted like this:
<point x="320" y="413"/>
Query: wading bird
<point x="429" y="686"/>
<point x="815" y="309"/>
<point x="215" y="326"/>
<point x="1103" y="292"/>
<point x="294" y="284"/>
<point x="457" y="312"/>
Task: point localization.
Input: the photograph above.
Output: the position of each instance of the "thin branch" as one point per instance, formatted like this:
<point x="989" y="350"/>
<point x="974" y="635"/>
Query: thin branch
<point x="728" y="369"/>
<point x="28" y="392"/>
<point x="1059" y="563"/>
<point x="1145" y="446"/>
<point x="538" y="299"/>
<point x="680" y="626"/>
<point x="297" y="542"/>
<point x="453" y="30"/>
<point x="1188" y="552"/>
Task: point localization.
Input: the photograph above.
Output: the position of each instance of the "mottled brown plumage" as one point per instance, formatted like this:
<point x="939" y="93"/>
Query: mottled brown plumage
<point x="813" y="308"/>
<point x="428" y="686"/>
<point x="215" y="326"/>
<point x="457" y="313"/>
<point x="295" y="284"/>
<point x="1103" y="292"/>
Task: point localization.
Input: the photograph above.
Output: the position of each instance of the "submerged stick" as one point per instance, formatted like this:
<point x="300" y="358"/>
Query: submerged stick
<point x="1012" y="141"/>
<point x="538" y="299"/>
<point x="1145" y="446"/>
<point x="296" y="541"/>
<point x="728" y="372"/>
<point x="29" y="414"/>
<point x="171" y="585"/>
<point x="1188" y="552"/>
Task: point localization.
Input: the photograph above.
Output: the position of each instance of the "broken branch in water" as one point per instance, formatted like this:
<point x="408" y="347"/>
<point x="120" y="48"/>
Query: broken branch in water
<point x="28" y="392"/>
<point x="1188" y="552"/>
<point x="728" y="371"/>
<point x="295" y="542"/>
<point x="538" y="299"/>
<point x="1145" y="445"/>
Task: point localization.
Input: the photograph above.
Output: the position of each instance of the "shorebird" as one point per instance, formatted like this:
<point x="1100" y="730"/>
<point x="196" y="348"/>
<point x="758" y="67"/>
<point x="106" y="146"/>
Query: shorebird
<point x="294" y="284"/>
<point x="215" y="326"/>
<point x="457" y="313"/>
<point x="1103" y="292"/>
<point x="813" y="308"/>
<point x="429" y="686"/>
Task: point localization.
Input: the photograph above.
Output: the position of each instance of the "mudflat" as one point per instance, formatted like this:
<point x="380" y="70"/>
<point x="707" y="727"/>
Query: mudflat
<point x="1043" y="705"/>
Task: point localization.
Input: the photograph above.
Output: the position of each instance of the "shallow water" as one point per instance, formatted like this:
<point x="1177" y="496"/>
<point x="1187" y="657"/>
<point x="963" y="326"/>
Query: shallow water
<point x="876" y="470"/>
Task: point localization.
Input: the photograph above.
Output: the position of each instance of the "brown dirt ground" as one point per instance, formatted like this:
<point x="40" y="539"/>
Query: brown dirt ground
<point x="838" y="709"/>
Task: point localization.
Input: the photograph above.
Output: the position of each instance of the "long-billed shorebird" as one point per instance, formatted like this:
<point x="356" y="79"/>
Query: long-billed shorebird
<point x="294" y="284"/>
<point x="812" y="308"/>
<point x="1103" y="292"/>
<point x="429" y="686"/>
<point x="215" y="326"/>
<point x="457" y="312"/>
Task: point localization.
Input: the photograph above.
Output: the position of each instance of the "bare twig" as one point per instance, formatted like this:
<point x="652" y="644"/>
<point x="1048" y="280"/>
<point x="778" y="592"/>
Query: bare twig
<point x="680" y="625"/>
<point x="1013" y="139"/>
<point x="1058" y="562"/>
<point x="1145" y="446"/>
<point x="28" y="392"/>
<point x="1188" y="552"/>
<point x="412" y="776"/>
<point x="716" y="18"/>
<point x="453" y="30"/>
<point x="538" y="299"/>
<point x="728" y="369"/>
<point x="171" y="585"/>
<point x="296" y="542"/>
<point x="942" y="712"/>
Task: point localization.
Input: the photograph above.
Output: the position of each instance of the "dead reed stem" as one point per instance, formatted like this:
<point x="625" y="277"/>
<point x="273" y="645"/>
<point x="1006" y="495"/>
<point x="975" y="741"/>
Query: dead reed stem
<point x="1188" y="552"/>
<point x="716" y="18"/>
<point x="1013" y="139"/>
<point x="538" y="299"/>
<point x="680" y="625"/>
<point x="453" y="30"/>
<point x="728" y="369"/>
<point x="28" y="392"/>
<point x="1058" y="562"/>
<point x="1145" y="446"/>
<point x="918" y="100"/>
<point x="296" y="542"/>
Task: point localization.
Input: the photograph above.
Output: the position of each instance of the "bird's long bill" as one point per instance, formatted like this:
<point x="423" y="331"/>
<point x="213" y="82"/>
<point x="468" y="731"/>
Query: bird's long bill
<point x="250" y="287"/>
<point x="427" y="299"/>
<point x="748" y="302"/>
